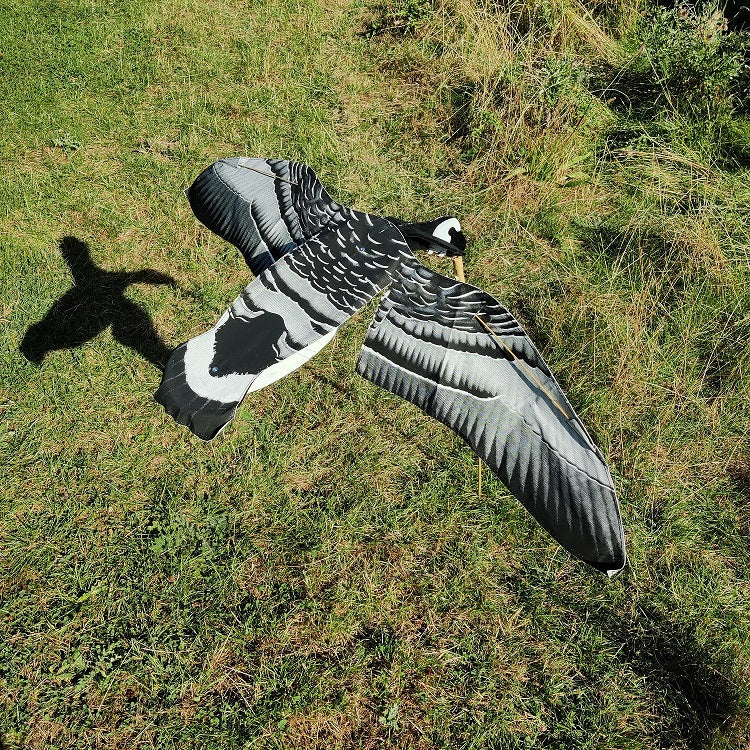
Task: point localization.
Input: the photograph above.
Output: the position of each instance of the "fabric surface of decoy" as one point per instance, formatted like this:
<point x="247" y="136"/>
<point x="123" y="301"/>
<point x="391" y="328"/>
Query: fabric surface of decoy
<point x="317" y="263"/>
<point x="264" y="207"/>
<point x="267" y="218"/>
<point x="461" y="357"/>
<point x="284" y="317"/>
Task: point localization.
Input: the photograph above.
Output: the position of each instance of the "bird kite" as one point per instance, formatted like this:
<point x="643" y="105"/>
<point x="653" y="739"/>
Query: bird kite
<point x="444" y="345"/>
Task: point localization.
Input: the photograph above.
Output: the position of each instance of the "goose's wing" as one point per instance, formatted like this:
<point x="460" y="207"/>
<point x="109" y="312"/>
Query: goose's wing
<point x="459" y="355"/>
<point x="284" y="317"/>
<point x="265" y="207"/>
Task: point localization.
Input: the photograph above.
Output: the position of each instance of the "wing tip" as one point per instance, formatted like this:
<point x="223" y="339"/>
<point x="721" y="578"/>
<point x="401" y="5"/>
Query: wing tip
<point x="204" y="422"/>
<point x="203" y="427"/>
<point x="611" y="566"/>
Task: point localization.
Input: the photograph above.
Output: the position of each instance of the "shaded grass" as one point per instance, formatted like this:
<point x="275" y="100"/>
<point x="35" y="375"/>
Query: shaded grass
<point x="324" y="575"/>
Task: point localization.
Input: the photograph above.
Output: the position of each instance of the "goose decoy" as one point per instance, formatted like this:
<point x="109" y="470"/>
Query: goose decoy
<point x="444" y="345"/>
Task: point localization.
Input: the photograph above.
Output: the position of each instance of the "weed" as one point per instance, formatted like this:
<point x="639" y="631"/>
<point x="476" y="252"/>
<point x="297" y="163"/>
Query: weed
<point x="690" y="61"/>
<point x="399" y="18"/>
<point x="67" y="142"/>
<point x="389" y="717"/>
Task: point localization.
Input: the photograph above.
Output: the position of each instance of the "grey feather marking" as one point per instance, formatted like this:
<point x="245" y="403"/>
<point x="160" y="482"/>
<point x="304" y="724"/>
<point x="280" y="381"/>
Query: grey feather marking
<point x="491" y="400"/>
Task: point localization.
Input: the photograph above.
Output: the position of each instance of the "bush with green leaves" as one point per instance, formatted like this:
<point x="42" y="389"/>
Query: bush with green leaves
<point x="693" y="64"/>
<point x="399" y="18"/>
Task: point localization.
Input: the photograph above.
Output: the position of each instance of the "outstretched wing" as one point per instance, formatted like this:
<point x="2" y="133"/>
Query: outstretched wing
<point x="265" y="207"/>
<point x="459" y="355"/>
<point x="284" y="317"/>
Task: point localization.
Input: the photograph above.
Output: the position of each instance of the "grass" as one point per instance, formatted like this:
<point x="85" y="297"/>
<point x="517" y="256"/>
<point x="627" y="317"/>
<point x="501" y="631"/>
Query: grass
<point x="324" y="575"/>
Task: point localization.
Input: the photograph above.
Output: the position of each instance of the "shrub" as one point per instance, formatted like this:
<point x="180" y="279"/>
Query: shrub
<point x="694" y="65"/>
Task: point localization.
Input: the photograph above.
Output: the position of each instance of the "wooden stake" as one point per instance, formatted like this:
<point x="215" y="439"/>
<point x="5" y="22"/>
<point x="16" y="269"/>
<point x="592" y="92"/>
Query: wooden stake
<point x="458" y="270"/>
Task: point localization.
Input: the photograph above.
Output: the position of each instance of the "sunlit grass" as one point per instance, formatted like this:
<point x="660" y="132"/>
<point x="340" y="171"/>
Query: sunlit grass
<point x="324" y="575"/>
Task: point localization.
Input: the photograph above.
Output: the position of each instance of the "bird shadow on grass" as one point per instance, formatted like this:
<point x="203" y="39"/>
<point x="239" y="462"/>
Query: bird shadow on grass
<point x="97" y="301"/>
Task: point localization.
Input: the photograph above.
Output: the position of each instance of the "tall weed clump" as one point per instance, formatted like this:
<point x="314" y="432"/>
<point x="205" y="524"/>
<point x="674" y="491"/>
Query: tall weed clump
<point x="692" y="58"/>
<point x="515" y="81"/>
<point x="532" y="86"/>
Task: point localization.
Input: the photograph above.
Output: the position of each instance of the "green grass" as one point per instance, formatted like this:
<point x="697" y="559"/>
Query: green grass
<point x="324" y="574"/>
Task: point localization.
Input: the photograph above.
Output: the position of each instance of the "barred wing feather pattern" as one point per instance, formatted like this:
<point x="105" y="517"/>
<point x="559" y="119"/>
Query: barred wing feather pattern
<point x="460" y="356"/>
<point x="285" y="316"/>
<point x="265" y="207"/>
<point x="446" y="346"/>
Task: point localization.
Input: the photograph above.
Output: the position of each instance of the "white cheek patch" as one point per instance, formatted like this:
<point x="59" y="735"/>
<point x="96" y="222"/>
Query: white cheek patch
<point x="442" y="230"/>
